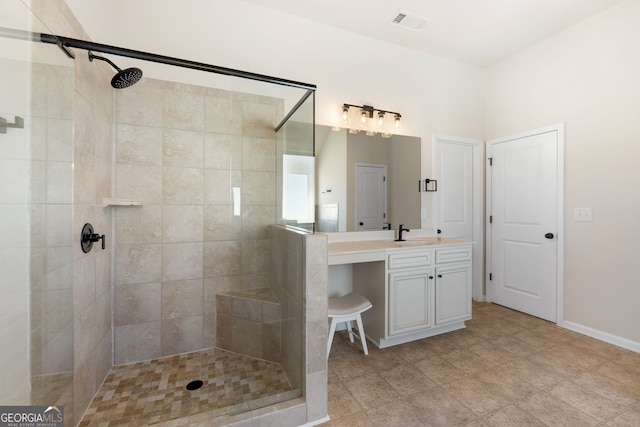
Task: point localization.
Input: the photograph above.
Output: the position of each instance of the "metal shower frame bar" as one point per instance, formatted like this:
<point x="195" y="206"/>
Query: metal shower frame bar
<point x="65" y="43"/>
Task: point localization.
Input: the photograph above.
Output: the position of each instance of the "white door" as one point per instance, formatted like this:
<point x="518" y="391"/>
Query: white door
<point x="371" y="193"/>
<point x="459" y="207"/>
<point x="524" y="213"/>
<point x="455" y="190"/>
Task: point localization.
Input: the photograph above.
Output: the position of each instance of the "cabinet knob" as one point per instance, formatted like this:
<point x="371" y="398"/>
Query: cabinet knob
<point x="430" y="277"/>
<point x="440" y="276"/>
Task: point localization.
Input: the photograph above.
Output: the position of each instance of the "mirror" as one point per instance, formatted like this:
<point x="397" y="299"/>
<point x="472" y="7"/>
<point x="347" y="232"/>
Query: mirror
<point x="341" y="197"/>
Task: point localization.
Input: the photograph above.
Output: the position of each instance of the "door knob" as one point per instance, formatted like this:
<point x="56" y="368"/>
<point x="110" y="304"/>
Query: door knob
<point x="361" y="223"/>
<point x="549" y="235"/>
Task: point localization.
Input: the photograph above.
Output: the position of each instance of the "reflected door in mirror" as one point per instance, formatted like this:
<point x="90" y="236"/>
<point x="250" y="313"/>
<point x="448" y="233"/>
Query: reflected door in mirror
<point x="371" y="194"/>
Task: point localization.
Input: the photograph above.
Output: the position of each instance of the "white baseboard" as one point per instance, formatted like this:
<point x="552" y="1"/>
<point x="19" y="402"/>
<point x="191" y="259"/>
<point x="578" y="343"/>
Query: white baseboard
<point x="602" y="336"/>
<point x="317" y="422"/>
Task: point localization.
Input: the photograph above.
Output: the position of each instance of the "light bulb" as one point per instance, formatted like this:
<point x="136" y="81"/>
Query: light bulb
<point x="345" y="113"/>
<point x="397" y="121"/>
<point x="380" y="119"/>
<point x="363" y="118"/>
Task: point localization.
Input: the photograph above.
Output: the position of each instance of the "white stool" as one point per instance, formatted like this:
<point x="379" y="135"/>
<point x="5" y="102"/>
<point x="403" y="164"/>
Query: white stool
<point x="345" y="309"/>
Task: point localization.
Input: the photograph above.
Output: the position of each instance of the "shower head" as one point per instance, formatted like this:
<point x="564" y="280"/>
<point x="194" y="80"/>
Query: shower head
<point x="123" y="78"/>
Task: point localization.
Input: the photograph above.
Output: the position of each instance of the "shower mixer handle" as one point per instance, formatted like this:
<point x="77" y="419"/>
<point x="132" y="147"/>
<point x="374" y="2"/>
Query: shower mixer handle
<point x="96" y="237"/>
<point x="88" y="238"/>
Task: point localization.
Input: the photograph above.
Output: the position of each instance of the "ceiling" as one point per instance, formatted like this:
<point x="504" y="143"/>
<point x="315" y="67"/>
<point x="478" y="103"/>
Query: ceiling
<point x="479" y="32"/>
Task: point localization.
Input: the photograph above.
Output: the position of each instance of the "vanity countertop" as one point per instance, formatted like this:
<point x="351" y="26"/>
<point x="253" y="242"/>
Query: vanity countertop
<point x="345" y="252"/>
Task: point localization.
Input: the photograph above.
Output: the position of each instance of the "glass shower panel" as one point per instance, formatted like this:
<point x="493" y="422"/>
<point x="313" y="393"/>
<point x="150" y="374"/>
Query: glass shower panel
<point x="295" y="198"/>
<point x="36" y="195"/>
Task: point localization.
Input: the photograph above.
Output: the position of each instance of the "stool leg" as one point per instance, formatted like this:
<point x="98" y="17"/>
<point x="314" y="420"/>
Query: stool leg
<point x="362" y="337"/>
<point x="348" y="322"/>
<point x="332" y="331"/>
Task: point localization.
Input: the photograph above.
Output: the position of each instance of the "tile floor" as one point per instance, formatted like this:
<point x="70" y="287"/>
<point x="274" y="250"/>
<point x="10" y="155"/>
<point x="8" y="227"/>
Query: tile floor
<point x="154" y="393"/>
<point x="505" y="369"/>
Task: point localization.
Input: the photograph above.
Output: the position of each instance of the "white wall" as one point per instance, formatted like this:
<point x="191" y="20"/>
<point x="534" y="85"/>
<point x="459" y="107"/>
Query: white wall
<point x="433" y="94"/>
<point x="587" y="77"/>
<point x="331" y="174"/>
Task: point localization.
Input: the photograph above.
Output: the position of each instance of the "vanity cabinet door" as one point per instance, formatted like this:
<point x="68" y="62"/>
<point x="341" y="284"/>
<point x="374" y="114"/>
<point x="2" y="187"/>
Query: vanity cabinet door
<point x="453" y="293"/>
<point x="410" y="300"/>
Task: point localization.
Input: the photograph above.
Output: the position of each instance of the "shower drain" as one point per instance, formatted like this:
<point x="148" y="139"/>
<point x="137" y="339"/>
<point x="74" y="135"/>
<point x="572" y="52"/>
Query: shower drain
<point x="194" y="385"/>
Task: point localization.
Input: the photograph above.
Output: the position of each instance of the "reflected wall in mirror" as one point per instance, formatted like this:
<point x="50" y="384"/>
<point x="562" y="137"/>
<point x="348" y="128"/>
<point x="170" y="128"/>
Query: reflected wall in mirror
<point x="337" y="155"/>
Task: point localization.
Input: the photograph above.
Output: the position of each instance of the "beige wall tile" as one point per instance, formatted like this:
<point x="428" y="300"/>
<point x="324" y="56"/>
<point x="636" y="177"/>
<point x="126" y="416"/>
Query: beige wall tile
<point x="256" y="220"/>
<point x="130" y="101"/>
<point x="142" y="183"/>
<point x="183" y="110"/>
<point x="259" y="154"/>
<point x="223" y="115"/>
<point x="137" y="303"/>
<point x="217" y="187"/>
<point x="182" y="261"/>
<point x="59" y="176"/>
<point x="182" y="148"/>
<point x="222" y="151"/>
<point x="258" y="119"/>
<point x="181" y="335"/>
<point x="220" y="223"/>
<point x="138" y="145"/>
<point x="246" y="308"/>
<point x="182" y="186"/>
<point x="84" y="283"/>
<point x="222" y="258"/>
<point x="139" y="225"/>
<point x="182" y="298"/>
<point x="258" y="188"/>
<point x="246" y="337"/>
<point x="137" y="342"/>
<point x="138" y="264"/>
<point x="183" y="223"/>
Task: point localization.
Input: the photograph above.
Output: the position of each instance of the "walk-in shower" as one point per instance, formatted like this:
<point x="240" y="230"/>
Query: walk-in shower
<point x="186" y="175"/>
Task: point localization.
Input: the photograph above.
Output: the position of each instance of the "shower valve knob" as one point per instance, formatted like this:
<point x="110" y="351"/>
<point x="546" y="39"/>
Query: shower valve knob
<point x="88" y="238"/>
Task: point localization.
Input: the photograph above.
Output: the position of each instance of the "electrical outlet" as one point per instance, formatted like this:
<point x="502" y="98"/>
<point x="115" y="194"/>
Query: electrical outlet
<point x="582" y="214"/>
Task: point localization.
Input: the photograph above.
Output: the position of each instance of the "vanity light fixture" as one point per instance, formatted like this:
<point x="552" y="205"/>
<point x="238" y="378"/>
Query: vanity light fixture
<point x="358" y="118"/>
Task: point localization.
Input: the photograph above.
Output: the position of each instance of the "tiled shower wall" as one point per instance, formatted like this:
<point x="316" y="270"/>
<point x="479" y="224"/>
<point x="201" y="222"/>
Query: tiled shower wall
<point x="91" y="103"/>
<point x="300" y="281"/>
<point x="180" y="150"/>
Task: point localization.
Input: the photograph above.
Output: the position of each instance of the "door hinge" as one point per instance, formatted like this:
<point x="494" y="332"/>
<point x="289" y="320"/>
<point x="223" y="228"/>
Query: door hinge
<point x="490" y="161"/>
<point x="384" y="179"/>
<point x="490" y="276"/>
<point x="490" y="219"/>
<point x="384" y="215"/>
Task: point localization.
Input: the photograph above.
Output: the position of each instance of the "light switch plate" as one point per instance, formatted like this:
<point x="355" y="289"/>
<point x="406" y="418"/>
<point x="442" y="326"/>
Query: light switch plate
<point x="583" y="214"/>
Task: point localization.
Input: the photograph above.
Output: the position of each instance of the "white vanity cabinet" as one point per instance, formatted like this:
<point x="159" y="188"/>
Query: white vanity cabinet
<point x="417" y="291"/>
<point x="411" y="304"/>
<point x="453" y="285"/>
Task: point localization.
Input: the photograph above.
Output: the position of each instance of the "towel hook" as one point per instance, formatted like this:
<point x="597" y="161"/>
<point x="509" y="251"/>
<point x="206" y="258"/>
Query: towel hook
<point x="18" y="123"/>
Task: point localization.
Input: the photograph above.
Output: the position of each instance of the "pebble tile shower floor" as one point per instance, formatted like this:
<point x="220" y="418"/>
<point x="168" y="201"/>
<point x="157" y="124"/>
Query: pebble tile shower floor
<point x="154" y="392"/>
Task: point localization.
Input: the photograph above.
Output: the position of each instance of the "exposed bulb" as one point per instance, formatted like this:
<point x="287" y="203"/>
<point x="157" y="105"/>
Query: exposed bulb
<point x="345" y="113"/>
<point x="363" y="118"/>
<point x="397" y="121"/>
<point x="380" y="119"/>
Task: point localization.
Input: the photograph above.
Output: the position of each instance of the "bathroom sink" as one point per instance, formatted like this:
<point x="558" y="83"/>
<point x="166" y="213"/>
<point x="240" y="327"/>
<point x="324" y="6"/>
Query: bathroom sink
<point x="418" y="242"/>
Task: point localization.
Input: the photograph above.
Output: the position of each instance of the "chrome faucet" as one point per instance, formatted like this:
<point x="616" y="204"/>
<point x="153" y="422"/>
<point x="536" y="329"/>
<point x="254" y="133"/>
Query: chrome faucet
<point x="400" y="230"/>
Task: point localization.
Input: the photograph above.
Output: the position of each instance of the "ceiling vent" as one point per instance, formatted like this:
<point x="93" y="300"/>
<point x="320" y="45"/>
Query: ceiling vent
<point x="410" y="22"/>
